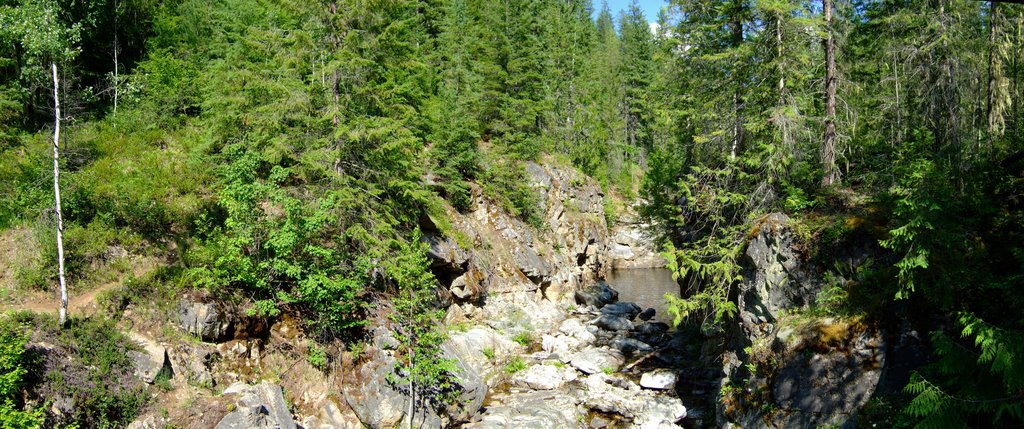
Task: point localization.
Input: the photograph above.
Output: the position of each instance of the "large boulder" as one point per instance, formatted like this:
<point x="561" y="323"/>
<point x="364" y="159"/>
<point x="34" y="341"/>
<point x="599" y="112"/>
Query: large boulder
<point x="598" y="295"/>
<point x="623" y="397"/>
<point x="201" y="316"/>
<point x="613" y="323"/>
<point x="149" y="362"/>
<point x="379" y="403"/>
<point x="595" y="360"/>
<point x="257" y="407"/>
<point x="534" y="410"/>
<point x="628" y="310"/>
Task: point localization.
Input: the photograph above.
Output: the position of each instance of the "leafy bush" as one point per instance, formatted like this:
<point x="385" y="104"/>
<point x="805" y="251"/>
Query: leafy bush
<point x="13" y="371"/>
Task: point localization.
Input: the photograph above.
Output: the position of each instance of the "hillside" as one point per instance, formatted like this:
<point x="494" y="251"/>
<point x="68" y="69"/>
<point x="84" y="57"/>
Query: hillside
<point x="465" y="213"/>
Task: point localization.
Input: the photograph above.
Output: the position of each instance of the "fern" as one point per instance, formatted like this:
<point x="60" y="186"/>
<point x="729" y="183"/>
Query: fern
<point x="978" y="382"/>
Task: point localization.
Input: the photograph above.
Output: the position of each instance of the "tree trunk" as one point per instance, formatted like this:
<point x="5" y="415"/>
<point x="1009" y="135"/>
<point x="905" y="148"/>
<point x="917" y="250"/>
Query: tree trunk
<point x="828" y="148"/>
<point x="56" y="197"/>
<point x="991" y="90"/>
<point x="737" y="96"/>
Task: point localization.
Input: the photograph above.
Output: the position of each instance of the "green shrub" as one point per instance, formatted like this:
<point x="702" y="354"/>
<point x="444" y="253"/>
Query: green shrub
<point x="515" y="365"/>
<point x="523" y="338"/>
<point x="13" y="371"/>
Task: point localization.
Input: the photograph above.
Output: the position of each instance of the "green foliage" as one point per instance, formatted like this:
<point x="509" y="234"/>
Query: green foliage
<point x="708" y="263"/>
<point x="980" y="379"/>
<point x="317" y="357"/>
<point x="431" y="377"/>
<point x="14" y="368"/>
<point x="524" y="339"/>
<point x="515" y="365"/>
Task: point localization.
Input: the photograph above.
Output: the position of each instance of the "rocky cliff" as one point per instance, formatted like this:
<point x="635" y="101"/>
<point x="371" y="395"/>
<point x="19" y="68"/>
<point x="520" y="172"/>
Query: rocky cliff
<point x="786" y="363"/>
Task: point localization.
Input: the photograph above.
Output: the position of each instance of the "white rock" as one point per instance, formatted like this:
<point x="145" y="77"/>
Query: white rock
<point x="660" y="379"/>
<point x="540" y="377"/>
<point x="561" y="344"/>
<point x="659" y="410"/>
<point x="595" y="360"/>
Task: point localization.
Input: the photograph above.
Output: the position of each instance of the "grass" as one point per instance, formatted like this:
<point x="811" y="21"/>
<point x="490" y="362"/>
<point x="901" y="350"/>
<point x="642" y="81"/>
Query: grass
<point x="523" y="338"/>
<point x="488" y="352"/>
<point x="515" y="365"/>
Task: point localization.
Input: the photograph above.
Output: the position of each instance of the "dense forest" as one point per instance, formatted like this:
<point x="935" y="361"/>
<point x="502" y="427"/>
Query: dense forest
<point x="285" y="155"/>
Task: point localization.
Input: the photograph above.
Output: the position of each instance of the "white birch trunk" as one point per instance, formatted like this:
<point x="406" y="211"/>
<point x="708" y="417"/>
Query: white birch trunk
<point x="56" y="197"/>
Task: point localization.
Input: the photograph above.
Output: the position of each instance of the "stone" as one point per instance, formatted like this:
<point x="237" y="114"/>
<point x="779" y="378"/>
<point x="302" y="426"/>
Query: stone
<point x="660" y="411"/>
<point x="257" y="407"/>
<point x="597" y="295"/>
<point x="333" y="417"/>
<point x="379" y="403"/>
<point x="533" y="410"/>
<point x="647" y="314"/>
<point x="541" y="377"/>
<point x="659" y="379"/>
<point x="150" y="361"/>
<point x="621" y="251"/>
<point x="467" y="287"/>
<point x="651" y="328"/>
<point x="561" y="344"/>
<point x="613" y="323"/>
<point x="629" y="346"/>
<point x="531" y="264"/>
<point x="193" y="362"/>
<point x="612" y="394"/>
<point x="445" y="254"/>
<point x="596" y="360"/>
<point x="575" y="329"/>
<point x="207" y="320"/>
<point x="628" y="310"/>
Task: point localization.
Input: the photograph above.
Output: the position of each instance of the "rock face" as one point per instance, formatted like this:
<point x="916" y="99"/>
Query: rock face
<point x="811" y="372"/>
<point x="257" y="407"/>
<point x="773" y="277"/>
<point x="204" y="318"/>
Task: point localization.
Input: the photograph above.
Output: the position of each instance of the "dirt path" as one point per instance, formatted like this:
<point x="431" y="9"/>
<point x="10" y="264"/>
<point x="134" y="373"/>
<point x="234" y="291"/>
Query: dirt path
<point x="79" y="304"/>
<point x="16" y="245"/>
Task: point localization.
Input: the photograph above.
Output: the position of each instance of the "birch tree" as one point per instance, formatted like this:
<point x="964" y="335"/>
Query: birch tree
<point x="48" y="43"/>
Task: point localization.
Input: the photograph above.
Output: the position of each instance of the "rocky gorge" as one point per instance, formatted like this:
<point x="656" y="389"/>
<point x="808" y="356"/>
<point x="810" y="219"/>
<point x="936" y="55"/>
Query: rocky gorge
<point x="539" y="338"/>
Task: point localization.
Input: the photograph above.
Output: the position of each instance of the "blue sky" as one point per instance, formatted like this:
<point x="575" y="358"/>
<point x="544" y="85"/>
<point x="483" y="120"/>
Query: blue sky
<point x="650" y="7"/>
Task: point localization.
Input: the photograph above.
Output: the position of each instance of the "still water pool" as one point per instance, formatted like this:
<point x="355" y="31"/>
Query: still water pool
<point x="646" y="287"/>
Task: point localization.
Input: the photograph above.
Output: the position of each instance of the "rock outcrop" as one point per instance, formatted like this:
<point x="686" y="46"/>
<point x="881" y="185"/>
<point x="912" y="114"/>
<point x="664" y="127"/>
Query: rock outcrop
<point x="784" y="369"/>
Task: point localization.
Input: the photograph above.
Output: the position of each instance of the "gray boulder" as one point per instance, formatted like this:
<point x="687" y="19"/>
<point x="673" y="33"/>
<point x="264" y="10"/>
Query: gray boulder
<point x="647" y="314"/>
<point x="257" y="407"/>
<point x="203" y="318"/>
<point x="628" y="310"/>
<point x="613" y="323"/>
<point x="382" y="404"/>
<point x="597" y="295"/>
<point x="629" y="346"/>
